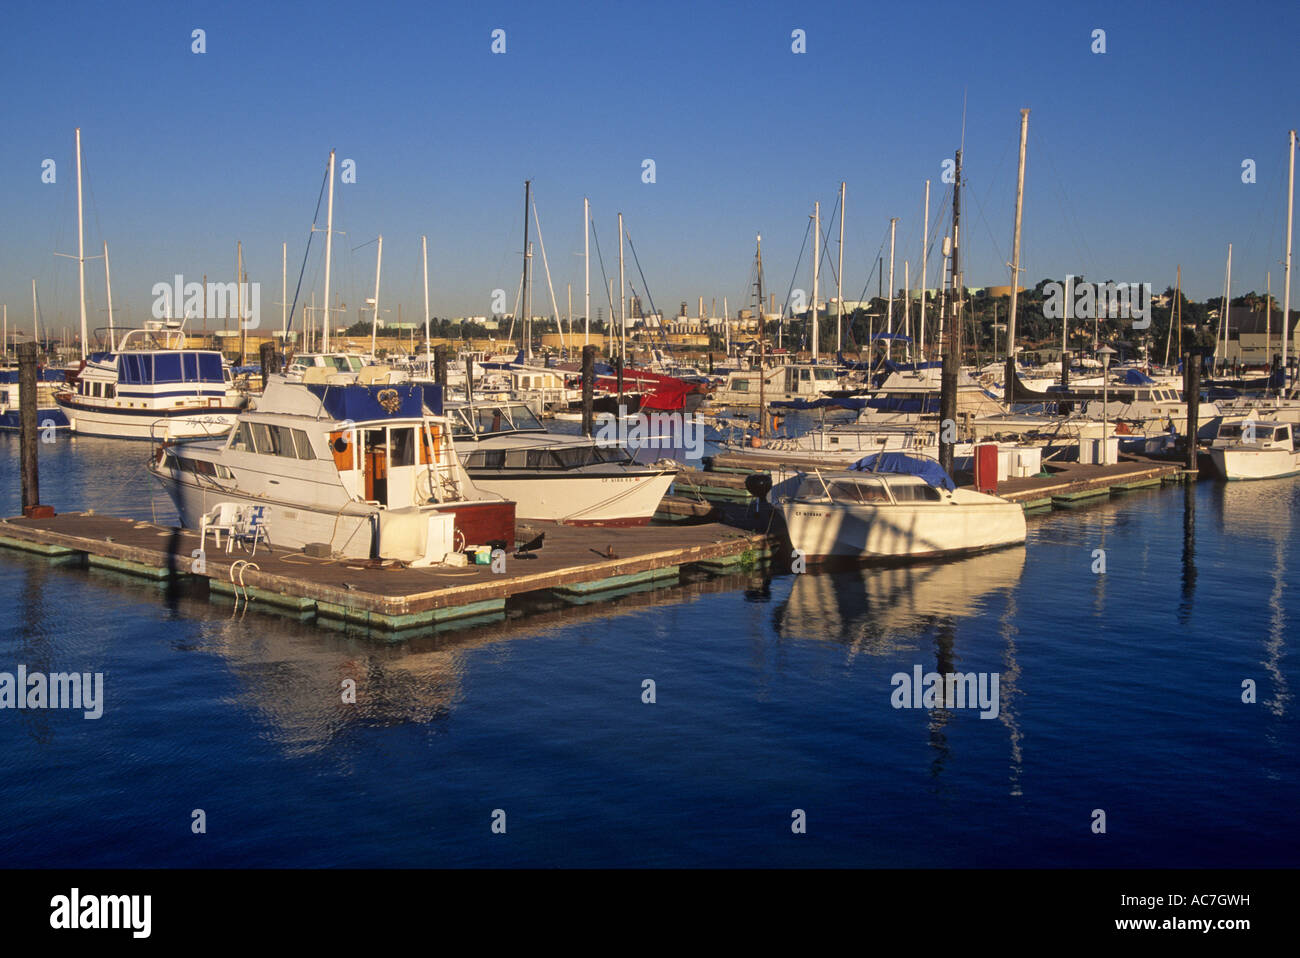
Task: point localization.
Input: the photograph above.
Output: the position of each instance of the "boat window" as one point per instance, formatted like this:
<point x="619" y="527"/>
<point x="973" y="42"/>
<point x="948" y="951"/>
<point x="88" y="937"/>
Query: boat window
<point x="210" y="368"/>
<point x="825" y="374"/>
<point x="282" y="437"/>
<point x="262" y="438"/>
<point x="612" y="454"/>
<point x="805" y="374"/>
<point x="522" y="417"/>
<point x="203" y="467"/>
<point x="574" y="457"/>
<point x="517" y="459"/>
<point x="167" y="368"/>
<point x="541" y="459"/>
<point x="190" y="363"/>
<point x="915" y="492"/>
<point x="303" y="445"/>
<point x="740" y="385"/>
<point x="863" y="493"/>
<point x="355" y="363"/>
<point x="491" y="420"/>
<point x="402" y="443"/>
<point x="242" y="438"/>
<point x="487" y="459"/>
<point x="811" y="488"/>
<point x="110" y="391"/>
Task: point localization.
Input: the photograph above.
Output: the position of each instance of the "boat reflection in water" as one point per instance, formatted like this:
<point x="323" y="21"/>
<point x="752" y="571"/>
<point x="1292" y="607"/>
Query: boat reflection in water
<point x="292" y="675"/>
<point x="877" y="610"/>
<point x="890" y="612"/>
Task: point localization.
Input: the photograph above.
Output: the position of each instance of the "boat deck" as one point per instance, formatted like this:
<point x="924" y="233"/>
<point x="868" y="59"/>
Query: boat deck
<point x="581" y="564"/>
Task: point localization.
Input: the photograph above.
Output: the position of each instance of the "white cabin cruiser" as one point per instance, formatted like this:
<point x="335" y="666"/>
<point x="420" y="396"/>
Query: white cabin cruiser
<point x="574" y="480"/>
<point x="890" y="506"/>
<point x="358" y="468"/>
<point x="151" y="387"/>
<point x="1249" y="449"/>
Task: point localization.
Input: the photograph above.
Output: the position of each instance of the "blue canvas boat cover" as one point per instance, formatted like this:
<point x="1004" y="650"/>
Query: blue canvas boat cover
<point x="900" y="463"/>
<point x="1136" y="377"/>
<point x="827" y="402"/>
<point x="371" y="402"/>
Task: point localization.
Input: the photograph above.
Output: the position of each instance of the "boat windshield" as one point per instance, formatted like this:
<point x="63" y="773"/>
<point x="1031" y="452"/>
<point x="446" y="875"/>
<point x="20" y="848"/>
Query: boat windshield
<point x="848" y="491"/>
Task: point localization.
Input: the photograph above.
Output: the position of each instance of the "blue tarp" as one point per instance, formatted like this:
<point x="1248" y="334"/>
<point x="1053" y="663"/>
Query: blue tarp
<point x="1136" y="377"/>
<point x="367" y="403"/>
<point x="901" y="463"/>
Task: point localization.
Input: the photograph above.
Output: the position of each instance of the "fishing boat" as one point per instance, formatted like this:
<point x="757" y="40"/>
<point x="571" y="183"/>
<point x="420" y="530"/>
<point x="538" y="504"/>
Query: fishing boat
<point x="359" y="470"/>
<point x="1249" y="449"/>
<point x="889" y="506"/>
<point x="574" y="480"/>
<point x="151" y="387"/>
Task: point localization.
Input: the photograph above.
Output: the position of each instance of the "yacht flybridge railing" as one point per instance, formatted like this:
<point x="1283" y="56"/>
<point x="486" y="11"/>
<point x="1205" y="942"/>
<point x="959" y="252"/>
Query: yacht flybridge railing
<point x="162" y="334"/>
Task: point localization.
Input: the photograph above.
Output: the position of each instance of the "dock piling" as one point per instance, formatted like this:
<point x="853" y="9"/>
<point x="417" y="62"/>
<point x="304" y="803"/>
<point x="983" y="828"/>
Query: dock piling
<point x="588" y="386"/>
<point x="440" y="366"/>
<point x="27" y="427"/>
<point x="1192" y="366"/>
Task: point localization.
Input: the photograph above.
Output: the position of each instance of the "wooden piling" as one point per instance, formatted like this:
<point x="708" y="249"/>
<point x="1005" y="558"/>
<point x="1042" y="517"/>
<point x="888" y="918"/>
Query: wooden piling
<point x="440" y="366"/>
<point x="948" y="404"/>
<point x="27" y="427"/>
<point x="618" y="371"/>
<point x="469" y="378"/>
<point x="1192" y="363"/>
<point x="588" y="388"/>
<point x="269" y="364"/>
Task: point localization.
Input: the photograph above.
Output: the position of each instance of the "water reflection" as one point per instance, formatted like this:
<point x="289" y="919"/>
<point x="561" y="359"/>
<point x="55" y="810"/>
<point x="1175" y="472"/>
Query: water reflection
<point x="877" y="611"/>
<point x="1264" y="511"/>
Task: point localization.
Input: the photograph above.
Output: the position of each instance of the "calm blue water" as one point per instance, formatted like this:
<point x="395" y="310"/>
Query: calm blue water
<point x="1119" y="691"/>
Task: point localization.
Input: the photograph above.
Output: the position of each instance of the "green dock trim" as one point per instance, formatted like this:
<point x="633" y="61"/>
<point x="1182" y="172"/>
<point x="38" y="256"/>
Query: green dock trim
<point x="128" y="566"/>
<point x="1071" y="498"/>
<point x="1031" y="505"/>
<point x="619" y="581"/>
<point x="294" y="603"/>
<point x="1140" y="484"/>
<point x="39" y="548"/>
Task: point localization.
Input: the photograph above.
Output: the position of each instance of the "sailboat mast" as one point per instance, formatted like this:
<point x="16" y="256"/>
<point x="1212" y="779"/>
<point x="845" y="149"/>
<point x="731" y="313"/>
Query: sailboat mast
<point x="622" y="298"/>
<point x="36" y="316"/>
<point x="424" y="255"/>
<point x="1286" y="268"/>
<point x="284" y="299"/>
<point x="817" y="258"/>
<point x="762" y="337"/>
<point x="1009" y="378"/>
<point x="526" y="293"/>
<point x="586" y="271"/>
<point x="108" y="283"/>
<point x="925" y="252"/>
<point x="329" y="246"/>
<point x="839" y="285"/>
<point x="81" y="251"/>
<point x="889" y="309"/>
<point x="374" y="320"/>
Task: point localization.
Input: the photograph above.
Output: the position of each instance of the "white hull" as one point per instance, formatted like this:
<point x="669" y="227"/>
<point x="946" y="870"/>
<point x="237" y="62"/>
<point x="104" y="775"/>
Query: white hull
<point x="1235" y="463"/>
<point x="106" y="422"/>
<point x="575" y="499"/>
<point x="903" y="530"/>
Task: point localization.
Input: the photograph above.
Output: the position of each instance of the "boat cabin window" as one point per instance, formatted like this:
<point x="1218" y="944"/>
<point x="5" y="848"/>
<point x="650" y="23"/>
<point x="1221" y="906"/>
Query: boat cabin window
<point x="828" y="374"/>
<point x="522" y="417"/>
<point x="915" y="492"/>
<point x="740" y="385"/>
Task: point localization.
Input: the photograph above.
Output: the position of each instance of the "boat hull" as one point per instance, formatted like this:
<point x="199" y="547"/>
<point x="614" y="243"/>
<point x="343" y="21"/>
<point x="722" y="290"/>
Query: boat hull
<point x="1252" y="464"/>
<point x="580" y="500"/>
<point x="148" y="424"/>
<point x="825" y="532"/>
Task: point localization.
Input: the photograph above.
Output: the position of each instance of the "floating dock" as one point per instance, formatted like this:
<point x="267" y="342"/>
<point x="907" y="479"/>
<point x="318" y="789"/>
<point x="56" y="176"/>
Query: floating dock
<point x="578" y="565"/>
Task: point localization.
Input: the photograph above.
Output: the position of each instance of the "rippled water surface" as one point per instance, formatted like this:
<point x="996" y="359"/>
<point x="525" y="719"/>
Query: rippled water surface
<point x="1119" y="691"/>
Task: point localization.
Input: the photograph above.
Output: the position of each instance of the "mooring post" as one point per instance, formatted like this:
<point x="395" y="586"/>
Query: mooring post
<point x="1192" y="363"/>
<point x="469" y="378"/>
<point x="588" y="388"/>
<point x="440" y="366"/>
<point x="618" y="371"/>
<point x="948" y="405"/>
<point x="267" y="352"/>
<point x="27" y="427"/>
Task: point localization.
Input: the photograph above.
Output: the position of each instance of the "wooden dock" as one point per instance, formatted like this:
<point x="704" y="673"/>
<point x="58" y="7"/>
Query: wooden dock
<point x="575" y="564"/>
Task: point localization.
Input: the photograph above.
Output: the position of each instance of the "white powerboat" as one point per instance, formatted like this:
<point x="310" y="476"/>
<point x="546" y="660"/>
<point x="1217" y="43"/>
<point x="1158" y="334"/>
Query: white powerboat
<point x="575" y="480"/>
<point x="152" y="387"/>
<point x="891" y="506"/>
<point x="1247" y="449"/>
<point x="357" y="468"/>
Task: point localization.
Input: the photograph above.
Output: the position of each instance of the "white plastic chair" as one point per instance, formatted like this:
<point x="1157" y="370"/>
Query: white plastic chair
<point x="224" y="517"/>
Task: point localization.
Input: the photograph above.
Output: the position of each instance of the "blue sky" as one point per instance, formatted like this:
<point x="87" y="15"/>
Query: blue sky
<point x="1134" y="155"/>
